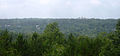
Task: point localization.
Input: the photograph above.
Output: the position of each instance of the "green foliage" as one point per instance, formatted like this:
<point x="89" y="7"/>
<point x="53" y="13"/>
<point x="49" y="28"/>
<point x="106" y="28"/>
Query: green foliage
<point x="52" y="42"/>
<point x="78" y="26"/>
<point x="52" y="27"/>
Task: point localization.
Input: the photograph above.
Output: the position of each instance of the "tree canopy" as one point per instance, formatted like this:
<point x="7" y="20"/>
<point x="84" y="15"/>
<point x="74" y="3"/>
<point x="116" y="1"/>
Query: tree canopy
<point x="52" y="42"/>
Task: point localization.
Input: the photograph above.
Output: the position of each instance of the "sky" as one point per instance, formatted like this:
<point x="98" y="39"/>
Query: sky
<point x="59" y="8"/>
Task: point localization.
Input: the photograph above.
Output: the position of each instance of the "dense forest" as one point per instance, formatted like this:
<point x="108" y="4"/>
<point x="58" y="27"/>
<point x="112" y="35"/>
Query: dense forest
<point x="53" y="42"/>
<point x="78" y="26"/>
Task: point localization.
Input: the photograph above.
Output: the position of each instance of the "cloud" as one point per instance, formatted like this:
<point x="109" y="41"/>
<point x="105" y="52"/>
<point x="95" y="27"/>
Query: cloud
<point x="59" y="8"/>
<point x="96" y="2"/>
<point x="44" y="2"/>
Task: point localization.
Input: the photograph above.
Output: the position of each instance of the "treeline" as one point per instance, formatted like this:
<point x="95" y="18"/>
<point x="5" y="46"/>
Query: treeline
<point x="82" y="26"/>
<point x="52" y="42"/>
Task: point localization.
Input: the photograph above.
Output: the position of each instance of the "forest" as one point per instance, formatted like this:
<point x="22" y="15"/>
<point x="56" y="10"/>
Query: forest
<point x="77" y="26"/>
<point x="53" y="42"/>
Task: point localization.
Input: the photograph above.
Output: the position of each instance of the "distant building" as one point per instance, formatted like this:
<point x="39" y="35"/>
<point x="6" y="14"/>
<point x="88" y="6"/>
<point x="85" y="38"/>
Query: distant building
<point x="38" y="27"/>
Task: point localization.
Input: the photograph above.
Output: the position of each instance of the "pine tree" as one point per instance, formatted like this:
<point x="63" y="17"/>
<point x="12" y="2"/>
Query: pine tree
<point x="21" y="45"/>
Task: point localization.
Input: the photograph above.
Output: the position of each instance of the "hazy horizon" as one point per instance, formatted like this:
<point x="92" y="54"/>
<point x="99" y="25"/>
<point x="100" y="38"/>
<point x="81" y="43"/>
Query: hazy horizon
<point x="102" y="9"/>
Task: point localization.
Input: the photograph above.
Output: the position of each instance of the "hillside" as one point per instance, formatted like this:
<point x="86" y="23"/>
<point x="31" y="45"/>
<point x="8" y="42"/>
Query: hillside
<point x="76" y="26"/>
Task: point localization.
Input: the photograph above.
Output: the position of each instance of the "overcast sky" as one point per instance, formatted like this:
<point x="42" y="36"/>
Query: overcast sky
<point x="59" y="8"/>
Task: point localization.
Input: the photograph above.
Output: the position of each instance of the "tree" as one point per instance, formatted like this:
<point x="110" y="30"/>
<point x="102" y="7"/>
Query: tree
<point x="6" y="45"/>
<point x="51" y="27"/>
<point x="21" y="45"/>
<point x="34" y="36"/>
<point x="116" y="39"/>
<point x="54" y="40"/>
